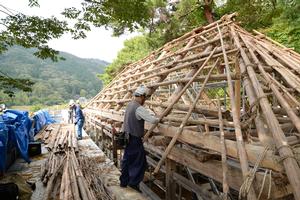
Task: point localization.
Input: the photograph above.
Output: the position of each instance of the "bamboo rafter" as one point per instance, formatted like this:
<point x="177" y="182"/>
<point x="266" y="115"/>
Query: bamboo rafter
<point x="256" y="79"/>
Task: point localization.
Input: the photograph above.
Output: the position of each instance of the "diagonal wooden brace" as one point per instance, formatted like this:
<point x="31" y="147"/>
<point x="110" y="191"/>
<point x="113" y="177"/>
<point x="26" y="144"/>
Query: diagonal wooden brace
<point x="192" y="107"/>
<point x="169" y="108"/>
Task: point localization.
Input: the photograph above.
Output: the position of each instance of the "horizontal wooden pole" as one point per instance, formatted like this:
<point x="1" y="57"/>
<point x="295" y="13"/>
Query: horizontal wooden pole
<point x="200" y="121"/>
<point x="207" y="141"/>
<point x="216" y="77"/>
<point x="196" y="60"/>
<point x="198" y="32"/>
<point x="213" y="169"/>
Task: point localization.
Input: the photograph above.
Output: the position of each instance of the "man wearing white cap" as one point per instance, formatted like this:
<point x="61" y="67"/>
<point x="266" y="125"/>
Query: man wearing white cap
<point x="79" y="119"/>
<point x="71" y="111"/>
<point x="134" y="161"/>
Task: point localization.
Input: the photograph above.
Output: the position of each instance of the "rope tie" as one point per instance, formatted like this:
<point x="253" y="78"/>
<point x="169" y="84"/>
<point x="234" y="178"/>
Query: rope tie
<point x="283" y="146"/>
<point x="251" y="65"/>
<point x="263" y="184"/>
<point x="256" y="102"/>
<point x="274" y="66"/>
<point x="283" y="158"/>
<point x="270" y="81"/>
<point x="244" y="74"/>
<point x="249" y="177"/>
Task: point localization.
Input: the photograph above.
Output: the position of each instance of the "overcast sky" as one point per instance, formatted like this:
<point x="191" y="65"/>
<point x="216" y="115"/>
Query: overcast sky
<point x="98" y="44"/>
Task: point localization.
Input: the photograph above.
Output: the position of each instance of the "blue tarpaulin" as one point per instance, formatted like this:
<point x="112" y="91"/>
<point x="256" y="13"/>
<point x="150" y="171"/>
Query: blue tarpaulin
<point x="18" y="124"/>
<point x="3" y="145"/>
<point x="16" y="131"/>
<point x="41" y="118"/>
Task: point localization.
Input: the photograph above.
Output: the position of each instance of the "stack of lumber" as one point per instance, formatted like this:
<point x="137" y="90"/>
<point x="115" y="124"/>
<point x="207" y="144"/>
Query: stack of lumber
<point x="62" y="172"/>
<point x="58" y="138"/>
<point x="91" y="170"/>
<point x="223" y="90"/>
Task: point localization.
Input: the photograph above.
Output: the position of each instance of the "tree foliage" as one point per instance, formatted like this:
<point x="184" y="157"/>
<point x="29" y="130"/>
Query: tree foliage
<point x="9" y="84"/>
<point x="133" y="50"/>
<point x="286" y="28"/>
<point x="35" y="32"/>
<point x="252" y="14"/>
<point x="118" y="14"/>
<point x="280" y="19"/>
<point x="31" y="32"/>
<point x="131" y="15"/>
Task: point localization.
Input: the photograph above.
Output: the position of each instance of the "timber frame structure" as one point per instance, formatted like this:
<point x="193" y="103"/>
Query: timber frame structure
<point x="228" y="108"/>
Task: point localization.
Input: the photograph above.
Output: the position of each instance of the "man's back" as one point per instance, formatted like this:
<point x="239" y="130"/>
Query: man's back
<point x="78" y="113"/>
<point x="131" y="124"/>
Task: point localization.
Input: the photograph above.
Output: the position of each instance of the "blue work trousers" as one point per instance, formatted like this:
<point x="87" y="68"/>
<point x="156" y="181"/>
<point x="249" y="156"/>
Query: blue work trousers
<point x="134" y="163"/>
<point x="79" y="126"/>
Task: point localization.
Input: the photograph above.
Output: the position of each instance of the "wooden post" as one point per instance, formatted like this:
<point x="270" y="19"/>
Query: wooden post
<point x="94" y="132"/>
<point x="170" y="183"/>
<point x="224" y="158"/>
<point x="97" y="135"/>
<point x="237" y="88"/>
<point x="102" y="138"/>
<point x="114" y="147"/>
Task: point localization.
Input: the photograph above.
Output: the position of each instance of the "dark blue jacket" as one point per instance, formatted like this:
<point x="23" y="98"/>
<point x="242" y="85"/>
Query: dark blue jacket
<point x="78" y="114"/>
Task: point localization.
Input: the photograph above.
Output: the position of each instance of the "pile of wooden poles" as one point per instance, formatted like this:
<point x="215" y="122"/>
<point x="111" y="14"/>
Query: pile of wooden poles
<point x="62" y="172"/>
<point x="91" y="172"/>
<point x="57" y="139"/>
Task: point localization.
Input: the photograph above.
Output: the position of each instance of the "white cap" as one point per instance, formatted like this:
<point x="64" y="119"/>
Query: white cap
<point x="140" y="91"/>
<point x="2" y="107"/>
<point x="72" y="102"/>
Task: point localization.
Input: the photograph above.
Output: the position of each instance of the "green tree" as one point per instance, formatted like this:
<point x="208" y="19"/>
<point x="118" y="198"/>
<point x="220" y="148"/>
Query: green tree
<point x="169" y="19"/>
<point x="131" y="15"/>
<point x="119" y="15"/>
<point x="134" y="49"/>
<point x="252" y="14"/>
<point x="83" y="93"/>
<point x="286" y="28"/>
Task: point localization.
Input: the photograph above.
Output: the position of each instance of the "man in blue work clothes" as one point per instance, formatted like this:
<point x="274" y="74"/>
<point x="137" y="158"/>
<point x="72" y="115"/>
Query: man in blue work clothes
<point x="79" y="119"/>
<point x="134" y="161"/>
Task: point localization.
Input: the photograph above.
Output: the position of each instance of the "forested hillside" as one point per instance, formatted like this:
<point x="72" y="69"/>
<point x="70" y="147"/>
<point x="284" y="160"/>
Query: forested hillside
<point x="55" y="82"/>
<point x="279" y="19"/>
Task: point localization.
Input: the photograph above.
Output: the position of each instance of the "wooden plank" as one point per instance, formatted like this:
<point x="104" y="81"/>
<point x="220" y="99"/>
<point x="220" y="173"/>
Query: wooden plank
<point x="208" y="141"/>
<point x="213" y="169"/>
<point x="148" y="192"/>
<point x="264" y="134"/>
<point x="203" y="194"/>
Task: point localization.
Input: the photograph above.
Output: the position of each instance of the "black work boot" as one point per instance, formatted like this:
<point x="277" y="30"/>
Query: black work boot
<point x="136" y="187"/>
